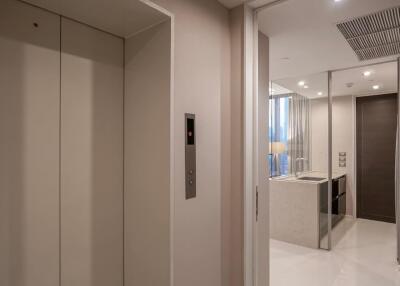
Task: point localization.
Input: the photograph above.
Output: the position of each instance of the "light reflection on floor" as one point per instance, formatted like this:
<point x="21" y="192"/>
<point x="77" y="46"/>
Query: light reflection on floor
<point x="364" y="254"/>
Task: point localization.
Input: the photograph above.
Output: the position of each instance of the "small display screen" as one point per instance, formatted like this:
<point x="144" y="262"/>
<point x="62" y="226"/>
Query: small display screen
<point x="190" y="131"/>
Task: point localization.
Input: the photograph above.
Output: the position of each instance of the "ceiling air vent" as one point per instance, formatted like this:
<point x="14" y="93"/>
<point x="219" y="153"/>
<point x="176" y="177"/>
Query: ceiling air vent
<point x="374" y="36"/>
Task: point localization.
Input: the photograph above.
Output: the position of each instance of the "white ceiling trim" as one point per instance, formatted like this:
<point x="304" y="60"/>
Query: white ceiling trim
<point x="252" y="3"/>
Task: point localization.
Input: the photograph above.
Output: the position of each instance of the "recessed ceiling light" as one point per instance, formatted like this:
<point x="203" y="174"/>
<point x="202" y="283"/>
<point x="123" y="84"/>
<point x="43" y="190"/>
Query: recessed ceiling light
<point x="376" y="87"/>
<point x="320" y="93"/>
<point x="306" y="86"/>
<point x="338" y="0"/>
<point x="301" y="83"/>
<point x="367" y="73"/>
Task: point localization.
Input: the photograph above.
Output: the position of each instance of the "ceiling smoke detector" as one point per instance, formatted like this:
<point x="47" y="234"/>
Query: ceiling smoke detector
<point x="374" y="36"/>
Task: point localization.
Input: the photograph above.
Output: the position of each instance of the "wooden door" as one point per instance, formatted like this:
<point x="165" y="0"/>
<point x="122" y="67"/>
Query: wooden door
<point x="376" y="148"/>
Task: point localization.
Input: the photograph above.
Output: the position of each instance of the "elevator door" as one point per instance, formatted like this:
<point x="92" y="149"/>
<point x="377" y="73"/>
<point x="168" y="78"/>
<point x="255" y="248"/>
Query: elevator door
<point x="29" y="145"/>
<point x="91" y="156"/>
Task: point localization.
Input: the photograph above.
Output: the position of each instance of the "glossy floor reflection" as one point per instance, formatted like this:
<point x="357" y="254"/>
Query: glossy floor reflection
<point x="364" y="255"/>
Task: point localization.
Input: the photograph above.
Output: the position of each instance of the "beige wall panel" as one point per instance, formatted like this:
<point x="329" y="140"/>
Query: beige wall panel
<point x="201" y="79"/>
<point x="91" y="157"/>
<point x="147" y="157"/>
<point x="29" y="146"/>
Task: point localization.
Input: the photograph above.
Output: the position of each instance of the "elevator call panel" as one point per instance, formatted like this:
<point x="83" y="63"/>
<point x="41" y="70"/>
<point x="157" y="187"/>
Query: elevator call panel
<point x="190" y="155"/>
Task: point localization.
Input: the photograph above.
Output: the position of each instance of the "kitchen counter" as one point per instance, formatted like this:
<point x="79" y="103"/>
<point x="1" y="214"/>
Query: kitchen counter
<point x="295" y="207"/>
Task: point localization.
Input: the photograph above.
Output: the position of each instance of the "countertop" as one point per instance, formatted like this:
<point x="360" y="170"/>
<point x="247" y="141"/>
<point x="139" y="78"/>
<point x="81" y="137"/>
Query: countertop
<point x="317" y="174"/>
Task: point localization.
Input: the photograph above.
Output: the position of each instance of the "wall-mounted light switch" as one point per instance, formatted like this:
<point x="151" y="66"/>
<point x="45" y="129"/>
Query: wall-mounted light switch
<point x="342" y="159"/>
<point x="190" y="155"/>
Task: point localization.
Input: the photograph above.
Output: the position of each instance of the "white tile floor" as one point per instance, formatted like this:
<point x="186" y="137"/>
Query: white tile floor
<point x="364" y="255"/>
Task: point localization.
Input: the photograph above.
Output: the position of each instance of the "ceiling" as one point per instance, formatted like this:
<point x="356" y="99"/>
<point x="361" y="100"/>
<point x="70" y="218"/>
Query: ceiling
<point x="120" y="17"/>
<point x="382" y="75"/>
<point x="304" y="38"/>
<point x="316" y="83"/>
<point x="345" y="82"/>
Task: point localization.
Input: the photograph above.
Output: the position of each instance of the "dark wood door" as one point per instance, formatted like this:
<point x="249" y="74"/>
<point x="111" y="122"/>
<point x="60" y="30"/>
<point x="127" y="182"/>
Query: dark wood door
<point x="376" y="149"/>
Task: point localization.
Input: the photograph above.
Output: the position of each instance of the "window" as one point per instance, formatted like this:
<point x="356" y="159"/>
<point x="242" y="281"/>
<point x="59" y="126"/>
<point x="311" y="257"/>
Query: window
<point x="289" y="134"/>
<point x="278" y="135"/>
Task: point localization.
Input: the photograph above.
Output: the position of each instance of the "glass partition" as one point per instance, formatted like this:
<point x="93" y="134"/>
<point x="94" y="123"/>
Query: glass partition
<point x="363" y="111"/>
<point x="299" y="160"/>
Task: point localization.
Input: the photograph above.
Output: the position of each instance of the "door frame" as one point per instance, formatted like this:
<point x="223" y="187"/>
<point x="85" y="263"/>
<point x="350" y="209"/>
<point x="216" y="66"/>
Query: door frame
<point x="256" y="178"/>
<point x="252" y="125"/>
<point x="250" y="253"/>
<point x="171" y="17"/>
<point x="250" y="143"/>
<point x="255" y="115"/>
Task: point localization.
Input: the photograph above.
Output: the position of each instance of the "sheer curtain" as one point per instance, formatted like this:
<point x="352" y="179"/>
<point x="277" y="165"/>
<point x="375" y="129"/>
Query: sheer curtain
<point x="289" y="126"/>
<point x="299" y="134"/>
<point x="278" y="134"/>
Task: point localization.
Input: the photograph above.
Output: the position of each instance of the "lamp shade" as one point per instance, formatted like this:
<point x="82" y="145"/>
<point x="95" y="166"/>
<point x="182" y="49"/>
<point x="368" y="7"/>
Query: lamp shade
<point x="277" y="147"/>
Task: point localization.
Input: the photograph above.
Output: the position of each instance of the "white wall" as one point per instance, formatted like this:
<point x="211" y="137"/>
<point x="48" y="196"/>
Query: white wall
<point x="29" y="146"/>
<point x="91" y="156"/>
<point x="147" y="157"/>
<point x="202" y="55"/>
<point x="319" y="134"/>
<point x="343" y="139"/>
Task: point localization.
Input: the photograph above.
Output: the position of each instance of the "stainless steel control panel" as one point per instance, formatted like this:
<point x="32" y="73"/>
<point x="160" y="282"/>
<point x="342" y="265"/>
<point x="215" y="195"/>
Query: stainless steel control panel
<point x="190" y="155"/>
